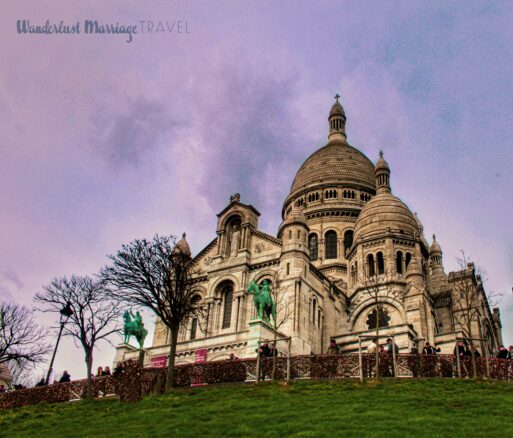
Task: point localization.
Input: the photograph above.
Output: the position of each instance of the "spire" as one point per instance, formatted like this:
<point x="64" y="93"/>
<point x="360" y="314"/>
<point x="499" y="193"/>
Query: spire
<point x="435" y="256"/>
<point x="337" y="120"/>
<point x="435" y="248"/>
<point x="382" y="173"/>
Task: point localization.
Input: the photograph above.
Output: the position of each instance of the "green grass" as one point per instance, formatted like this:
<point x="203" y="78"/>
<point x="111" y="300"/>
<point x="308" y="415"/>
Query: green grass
<point x="309" y="408"/>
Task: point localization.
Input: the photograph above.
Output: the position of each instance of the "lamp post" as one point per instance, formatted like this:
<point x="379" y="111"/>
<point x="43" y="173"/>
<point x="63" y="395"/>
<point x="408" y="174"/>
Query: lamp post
<point x="65" y="312"/>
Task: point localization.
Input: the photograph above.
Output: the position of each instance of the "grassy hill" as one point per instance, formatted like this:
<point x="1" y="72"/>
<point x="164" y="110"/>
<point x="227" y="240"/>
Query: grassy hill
<point x="309" y="408"/>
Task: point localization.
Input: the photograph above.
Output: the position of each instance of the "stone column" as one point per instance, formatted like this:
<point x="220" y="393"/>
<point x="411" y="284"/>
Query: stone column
<point x="209" y="302"/>
<point x="220" y="242"/>
<point x="389" y="256"/>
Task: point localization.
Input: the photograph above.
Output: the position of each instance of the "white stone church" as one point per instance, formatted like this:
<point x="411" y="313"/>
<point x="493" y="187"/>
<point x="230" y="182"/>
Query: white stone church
<point x="346" y="241"/>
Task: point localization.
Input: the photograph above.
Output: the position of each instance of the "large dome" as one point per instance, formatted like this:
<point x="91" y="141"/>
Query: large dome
<point x="338" y="163"/>
<point x="385" y="211"/>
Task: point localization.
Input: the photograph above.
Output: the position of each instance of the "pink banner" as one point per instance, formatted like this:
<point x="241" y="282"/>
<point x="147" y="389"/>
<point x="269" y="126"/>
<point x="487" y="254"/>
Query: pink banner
<point x="200" y="356"/>
<point x="158" y="361"/>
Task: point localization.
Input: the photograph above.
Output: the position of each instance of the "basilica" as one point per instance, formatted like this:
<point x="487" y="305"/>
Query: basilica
<point x="348" y="257"/>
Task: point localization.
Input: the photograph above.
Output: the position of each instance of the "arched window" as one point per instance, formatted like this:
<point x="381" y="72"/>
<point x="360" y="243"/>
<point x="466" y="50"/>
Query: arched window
<point x="381" y="263"/>
<point x="314" y="309"/>
<point x="399" y="262"/>
<point x="313" y="245"/>
<point x="194" y="328"/>
<point x="370" y="264"/>
<point x="348" y="241"/>
<point x="373" y="321"/>
<point x="331" y="244"/>
<point x="228" y="303"/>
<point x="408" y="259"/>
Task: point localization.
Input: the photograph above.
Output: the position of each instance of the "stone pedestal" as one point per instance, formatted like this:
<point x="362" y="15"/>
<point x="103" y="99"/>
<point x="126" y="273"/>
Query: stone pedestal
<point x="258" y="331"/>
<point x="125" y="352"/>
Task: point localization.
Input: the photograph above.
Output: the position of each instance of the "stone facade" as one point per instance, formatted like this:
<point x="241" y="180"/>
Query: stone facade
<point x="346" y="247"/>
<point x="5" y="377"/>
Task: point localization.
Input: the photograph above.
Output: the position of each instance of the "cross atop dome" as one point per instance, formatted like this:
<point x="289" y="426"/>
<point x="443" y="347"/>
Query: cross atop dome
<point x="337" y="97"/>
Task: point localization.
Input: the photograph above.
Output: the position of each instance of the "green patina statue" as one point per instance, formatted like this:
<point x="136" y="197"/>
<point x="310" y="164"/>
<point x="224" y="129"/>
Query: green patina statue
<point x="263" y="299"/>
<point x="134" y="327"/>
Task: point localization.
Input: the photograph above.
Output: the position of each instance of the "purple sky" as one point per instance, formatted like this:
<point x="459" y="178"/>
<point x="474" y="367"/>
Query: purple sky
<point x="103" y="141"/>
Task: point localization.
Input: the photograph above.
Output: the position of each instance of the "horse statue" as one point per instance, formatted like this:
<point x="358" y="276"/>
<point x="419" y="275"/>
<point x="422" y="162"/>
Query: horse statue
<point x="134" y="328"/>
<point x="264" y="303"/>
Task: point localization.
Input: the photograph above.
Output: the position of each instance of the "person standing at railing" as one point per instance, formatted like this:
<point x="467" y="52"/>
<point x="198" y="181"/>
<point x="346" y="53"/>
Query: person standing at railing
<point x="66" y="378"/>
<point x="428" y="370"/>
<point x="333" y="349"/>
<point x="264" y="352"/>
<point x="391" y="349"/>
<point x="503" y="353"/>
<point x="371" y="348"/>
<point x="429" y="349"/>
<point x="119" y="369"/>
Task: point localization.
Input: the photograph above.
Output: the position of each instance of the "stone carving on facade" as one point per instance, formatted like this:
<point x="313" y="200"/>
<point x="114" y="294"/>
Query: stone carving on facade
<point x="260" y="247"/>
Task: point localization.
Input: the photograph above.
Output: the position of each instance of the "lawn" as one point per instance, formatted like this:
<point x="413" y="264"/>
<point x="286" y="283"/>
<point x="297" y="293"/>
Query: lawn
<point x="439" y="407"/>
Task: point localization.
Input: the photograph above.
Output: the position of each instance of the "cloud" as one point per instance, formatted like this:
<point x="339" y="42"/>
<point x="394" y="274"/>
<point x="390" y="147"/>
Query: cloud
<point x="10" y="283"/>
<point x="131" y="133"/>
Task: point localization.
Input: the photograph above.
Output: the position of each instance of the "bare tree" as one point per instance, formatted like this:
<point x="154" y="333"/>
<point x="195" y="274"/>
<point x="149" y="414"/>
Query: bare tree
<point x="21" y="373"/>
<point x="22" y="340"/>
<point x="378" y="288"/>
<point x="284" y="305"/>
<point x="157" y="275"/>
<point x="94" y="315"/>
<point x="470" y="300"/>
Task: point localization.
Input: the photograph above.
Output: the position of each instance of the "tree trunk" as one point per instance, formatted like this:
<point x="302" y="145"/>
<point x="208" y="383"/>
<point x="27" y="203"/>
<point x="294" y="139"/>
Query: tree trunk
<point x="170" y="383"/>
<point x="377" y="340"/>
<point x="273" y="372"/>
<point x="473" y="357"/>
<point x="89" y="365"/>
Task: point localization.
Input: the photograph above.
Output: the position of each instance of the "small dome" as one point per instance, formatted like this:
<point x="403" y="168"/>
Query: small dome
<point x="337" y="109"/>
<point x="381" y="163"/>
<point x="385" y="211"/>
<point x="182" y="247"/>
<point x="435" y="248"/>
<point x="296" y="217"/>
